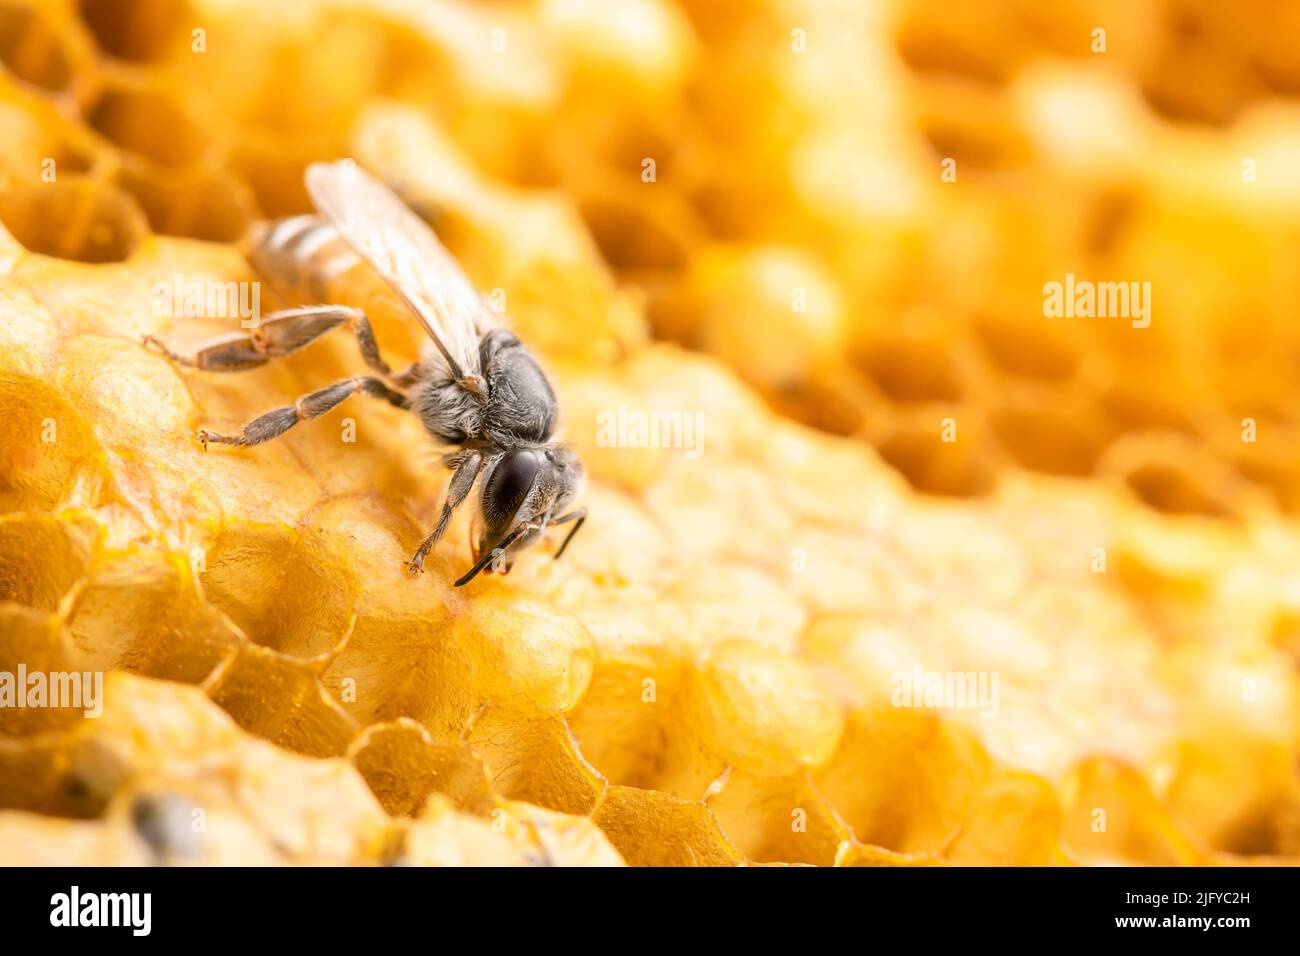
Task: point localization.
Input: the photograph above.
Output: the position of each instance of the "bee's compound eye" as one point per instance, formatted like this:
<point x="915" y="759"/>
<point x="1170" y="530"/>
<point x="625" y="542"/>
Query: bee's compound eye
<point x="510" y="483"/>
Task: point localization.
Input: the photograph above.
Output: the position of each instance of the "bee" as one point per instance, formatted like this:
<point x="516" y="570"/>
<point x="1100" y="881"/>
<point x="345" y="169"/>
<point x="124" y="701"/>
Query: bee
<point x="476" y="386"/>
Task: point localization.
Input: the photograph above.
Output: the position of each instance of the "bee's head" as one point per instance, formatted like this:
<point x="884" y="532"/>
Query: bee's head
<point x="568" y="476"/>
<point x="525" y="485"/>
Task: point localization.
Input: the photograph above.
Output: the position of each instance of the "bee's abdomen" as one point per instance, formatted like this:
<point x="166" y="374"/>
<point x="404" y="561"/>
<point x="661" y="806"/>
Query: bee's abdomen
<point x="299" y="256"/>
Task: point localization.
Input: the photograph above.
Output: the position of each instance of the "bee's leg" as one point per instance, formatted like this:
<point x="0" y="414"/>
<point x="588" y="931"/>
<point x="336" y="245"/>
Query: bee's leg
<point x="408" y="376"/>
<point x="578" y="517"/>
<point x="279" y="334"/>
<point x="492" y="555"/>
<point x="311" y="405"/>
<point x="467" y="466"/>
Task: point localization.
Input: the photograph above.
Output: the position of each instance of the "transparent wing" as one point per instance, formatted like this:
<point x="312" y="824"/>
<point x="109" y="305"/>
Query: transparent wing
<point x="402" y="248"/>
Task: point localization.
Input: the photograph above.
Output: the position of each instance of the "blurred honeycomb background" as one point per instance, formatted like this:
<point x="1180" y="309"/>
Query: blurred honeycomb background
<point x="825" y="227"/>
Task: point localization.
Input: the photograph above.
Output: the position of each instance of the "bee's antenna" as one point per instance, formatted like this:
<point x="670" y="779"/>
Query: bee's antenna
<point x="491" y="556"/>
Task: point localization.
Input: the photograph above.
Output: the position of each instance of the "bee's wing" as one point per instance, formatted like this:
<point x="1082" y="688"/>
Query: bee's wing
<point x="402" y="248"/>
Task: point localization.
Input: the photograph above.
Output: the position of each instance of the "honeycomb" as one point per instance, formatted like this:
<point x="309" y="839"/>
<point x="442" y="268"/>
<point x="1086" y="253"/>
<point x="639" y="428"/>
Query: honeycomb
<point x="819" y="231"/>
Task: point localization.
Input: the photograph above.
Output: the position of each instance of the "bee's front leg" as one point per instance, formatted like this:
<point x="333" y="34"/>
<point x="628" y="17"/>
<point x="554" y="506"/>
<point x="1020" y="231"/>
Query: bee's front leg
<point x="467" y="466"/>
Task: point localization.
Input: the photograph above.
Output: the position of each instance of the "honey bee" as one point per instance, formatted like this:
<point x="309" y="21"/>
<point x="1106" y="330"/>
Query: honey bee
<point x="476" y="387"/>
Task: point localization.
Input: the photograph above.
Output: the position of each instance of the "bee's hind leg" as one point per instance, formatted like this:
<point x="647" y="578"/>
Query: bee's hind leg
<point x="312" y="405"/>
<point x="276" y="335"/>
<point x="467" y="465"/>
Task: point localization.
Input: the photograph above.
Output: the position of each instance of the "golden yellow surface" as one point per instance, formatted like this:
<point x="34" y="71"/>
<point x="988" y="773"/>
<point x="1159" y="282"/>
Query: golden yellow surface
<point x="706" y="677"/>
